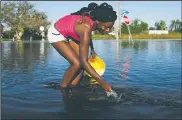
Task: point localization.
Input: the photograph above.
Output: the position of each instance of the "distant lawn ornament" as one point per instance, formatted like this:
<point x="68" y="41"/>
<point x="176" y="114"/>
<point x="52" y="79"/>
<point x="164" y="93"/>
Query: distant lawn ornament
<point x="124" y="12"/>
<point x="127" y="22"/>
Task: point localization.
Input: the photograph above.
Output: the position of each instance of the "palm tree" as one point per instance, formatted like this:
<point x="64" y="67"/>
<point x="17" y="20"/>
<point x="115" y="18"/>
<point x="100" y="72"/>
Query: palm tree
<point x="178" y="25"/>
<point x="172" y="25"/>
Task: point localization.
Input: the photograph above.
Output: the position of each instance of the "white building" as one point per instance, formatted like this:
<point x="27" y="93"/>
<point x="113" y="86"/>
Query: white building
<point x="159" y="32"/>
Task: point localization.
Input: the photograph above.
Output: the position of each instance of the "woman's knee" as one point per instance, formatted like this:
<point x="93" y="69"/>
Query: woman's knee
<point x="76" y="64"/>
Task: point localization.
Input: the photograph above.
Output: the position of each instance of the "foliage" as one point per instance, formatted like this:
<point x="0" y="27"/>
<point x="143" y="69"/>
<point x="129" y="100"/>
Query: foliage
<point x="137" y="26"/>
<point x="176" y="26"/>
<point x="161" y="25"/>
<point x="31" y="33"/>
<point x="151" y="28"/>
<point x="19" y="15"/>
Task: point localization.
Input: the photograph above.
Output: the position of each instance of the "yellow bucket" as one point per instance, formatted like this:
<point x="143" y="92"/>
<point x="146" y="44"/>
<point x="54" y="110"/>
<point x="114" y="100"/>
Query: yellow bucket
<point x="99" y="66"/>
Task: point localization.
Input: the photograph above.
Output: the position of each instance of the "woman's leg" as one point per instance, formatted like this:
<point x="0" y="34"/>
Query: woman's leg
<point x="69" y="54"/>
<point x="76" y="48"/>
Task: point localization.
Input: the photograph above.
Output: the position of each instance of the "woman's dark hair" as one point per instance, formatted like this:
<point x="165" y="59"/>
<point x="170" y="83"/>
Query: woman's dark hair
<point x="103" y="12"/>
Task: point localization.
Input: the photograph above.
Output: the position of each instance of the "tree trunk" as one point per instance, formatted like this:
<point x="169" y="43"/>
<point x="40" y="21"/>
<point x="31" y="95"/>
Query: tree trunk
<point x="18" y="37"/>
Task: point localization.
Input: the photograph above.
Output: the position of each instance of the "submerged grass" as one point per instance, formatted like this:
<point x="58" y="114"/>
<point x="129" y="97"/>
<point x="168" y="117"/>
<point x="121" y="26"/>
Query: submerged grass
<point x="141" y="36"/>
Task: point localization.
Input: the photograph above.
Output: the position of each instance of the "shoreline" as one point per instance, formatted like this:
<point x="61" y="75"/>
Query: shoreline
<point x="37" y="41"/>
<point x="143" y="36"/>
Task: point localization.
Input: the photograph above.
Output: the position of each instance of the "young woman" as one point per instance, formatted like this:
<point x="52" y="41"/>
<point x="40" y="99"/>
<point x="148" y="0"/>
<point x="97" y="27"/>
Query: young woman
<point x="77" y="28"/>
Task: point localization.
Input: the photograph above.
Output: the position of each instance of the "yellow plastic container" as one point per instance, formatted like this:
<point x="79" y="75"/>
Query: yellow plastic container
<point x="99" y="66"/>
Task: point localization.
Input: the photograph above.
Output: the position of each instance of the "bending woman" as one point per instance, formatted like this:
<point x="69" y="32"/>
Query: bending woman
<point x="78" y="27"/>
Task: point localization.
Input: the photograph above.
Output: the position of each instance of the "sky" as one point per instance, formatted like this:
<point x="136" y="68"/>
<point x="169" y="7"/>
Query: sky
<point x="147" y="11"/>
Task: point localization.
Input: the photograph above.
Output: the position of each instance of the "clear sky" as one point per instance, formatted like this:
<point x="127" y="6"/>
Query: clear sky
<point x="147" y="11"/>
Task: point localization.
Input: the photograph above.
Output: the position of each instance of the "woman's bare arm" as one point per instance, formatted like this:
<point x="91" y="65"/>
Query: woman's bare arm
<point x="84" y="45"/>
<point x="91" y="44"/>
<point x="84" y="32"/>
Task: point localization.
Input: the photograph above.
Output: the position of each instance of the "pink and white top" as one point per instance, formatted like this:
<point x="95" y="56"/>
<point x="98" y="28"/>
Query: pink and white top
<point x="65" y="25"/>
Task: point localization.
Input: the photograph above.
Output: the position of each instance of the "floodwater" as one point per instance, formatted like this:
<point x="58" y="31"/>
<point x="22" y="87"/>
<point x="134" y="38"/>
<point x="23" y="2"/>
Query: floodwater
<point x="147" y="74"/>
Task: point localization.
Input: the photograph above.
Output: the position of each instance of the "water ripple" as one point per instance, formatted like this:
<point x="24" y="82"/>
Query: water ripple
<point x="147" y="74"/>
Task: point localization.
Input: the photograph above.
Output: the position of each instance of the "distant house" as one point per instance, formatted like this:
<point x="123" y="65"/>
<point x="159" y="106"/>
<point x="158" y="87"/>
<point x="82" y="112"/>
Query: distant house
<point x="159" y="32"/>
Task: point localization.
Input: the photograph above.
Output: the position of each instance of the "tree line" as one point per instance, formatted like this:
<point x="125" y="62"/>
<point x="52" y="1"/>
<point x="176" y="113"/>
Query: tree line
<point x="21" y="17"/>
<point x="139" y="26"/>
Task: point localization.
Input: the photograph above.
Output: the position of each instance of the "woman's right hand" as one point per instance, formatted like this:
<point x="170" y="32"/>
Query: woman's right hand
<point x="107" y="87"/>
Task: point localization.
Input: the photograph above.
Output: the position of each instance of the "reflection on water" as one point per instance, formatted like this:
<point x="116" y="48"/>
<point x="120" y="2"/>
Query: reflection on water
<point x="146" y="73"/>
<point x="19" y="54"/>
